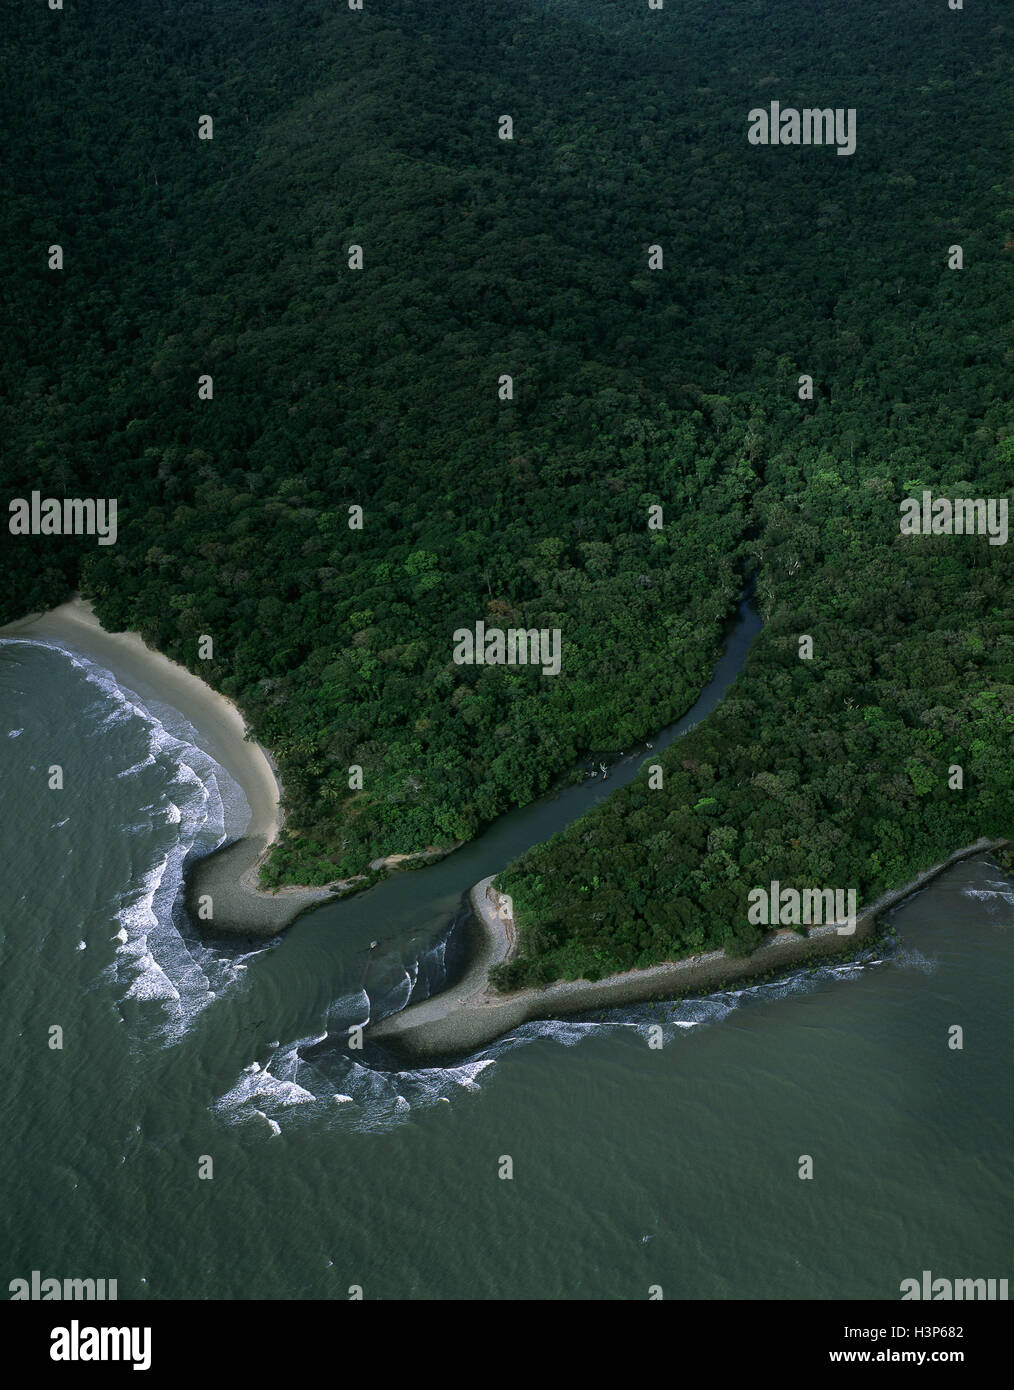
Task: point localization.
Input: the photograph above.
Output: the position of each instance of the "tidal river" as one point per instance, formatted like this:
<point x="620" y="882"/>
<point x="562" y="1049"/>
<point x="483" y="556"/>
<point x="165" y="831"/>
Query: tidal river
<point x="632" y="1167"/>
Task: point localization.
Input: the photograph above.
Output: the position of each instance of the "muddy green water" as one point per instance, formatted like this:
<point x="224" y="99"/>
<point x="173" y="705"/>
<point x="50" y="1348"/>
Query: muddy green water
<point x="631" y="1167"/>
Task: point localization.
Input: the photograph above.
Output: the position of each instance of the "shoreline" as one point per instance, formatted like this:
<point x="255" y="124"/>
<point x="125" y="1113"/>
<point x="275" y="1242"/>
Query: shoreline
<point x="228" y="874"/>
<point x="469" y="1014"/>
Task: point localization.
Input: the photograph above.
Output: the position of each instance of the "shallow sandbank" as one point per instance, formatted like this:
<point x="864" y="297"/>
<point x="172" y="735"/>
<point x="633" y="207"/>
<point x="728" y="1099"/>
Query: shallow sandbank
<point x="470" y="1014"/>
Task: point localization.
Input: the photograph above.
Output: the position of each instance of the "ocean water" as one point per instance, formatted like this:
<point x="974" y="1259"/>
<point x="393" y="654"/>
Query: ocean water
<point x="632" y="1166"/>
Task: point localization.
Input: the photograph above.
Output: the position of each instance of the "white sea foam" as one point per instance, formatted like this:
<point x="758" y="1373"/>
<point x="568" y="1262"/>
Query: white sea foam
<point x="398" y="998"/>
<point x="273" y="1124"/>
<point x="154" y="962"/>
<point x="335" y="1086"/>
<point x="264" y="1088"/>
<point x="911" y="959"/>
<point x="993" y="896"/>
<point x="135" y="768"/>
<point x="350" y="1009"/>
<point x="367" y="1097"/>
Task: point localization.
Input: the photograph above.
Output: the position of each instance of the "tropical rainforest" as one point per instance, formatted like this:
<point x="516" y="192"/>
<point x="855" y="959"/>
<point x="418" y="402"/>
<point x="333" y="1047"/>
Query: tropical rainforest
<point x="314" y="311"/>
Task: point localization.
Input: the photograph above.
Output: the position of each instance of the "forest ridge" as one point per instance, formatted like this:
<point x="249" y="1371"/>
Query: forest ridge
<point x="632" y="388"/>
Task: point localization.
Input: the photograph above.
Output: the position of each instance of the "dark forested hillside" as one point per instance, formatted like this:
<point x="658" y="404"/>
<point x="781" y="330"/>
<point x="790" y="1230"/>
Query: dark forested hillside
<point x="378" y="388"/>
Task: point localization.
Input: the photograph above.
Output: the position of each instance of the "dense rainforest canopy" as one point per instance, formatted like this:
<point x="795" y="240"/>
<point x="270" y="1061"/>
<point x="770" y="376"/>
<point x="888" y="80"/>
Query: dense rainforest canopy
<point x="633" y="387"/>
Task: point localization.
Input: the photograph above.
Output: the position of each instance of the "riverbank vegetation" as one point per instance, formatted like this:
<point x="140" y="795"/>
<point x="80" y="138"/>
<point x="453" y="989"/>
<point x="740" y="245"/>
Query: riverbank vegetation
<point x="336" y="388"/>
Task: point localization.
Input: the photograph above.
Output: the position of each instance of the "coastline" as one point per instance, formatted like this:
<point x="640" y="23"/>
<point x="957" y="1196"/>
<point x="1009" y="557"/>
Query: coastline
<point x="228" y="874"/>
<point x="470" y="1014"/>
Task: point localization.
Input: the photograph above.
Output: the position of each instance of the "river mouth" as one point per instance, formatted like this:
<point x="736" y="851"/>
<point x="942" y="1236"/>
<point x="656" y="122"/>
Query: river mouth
<point x="555" y="811"/>
<point x="336" y="1158"/>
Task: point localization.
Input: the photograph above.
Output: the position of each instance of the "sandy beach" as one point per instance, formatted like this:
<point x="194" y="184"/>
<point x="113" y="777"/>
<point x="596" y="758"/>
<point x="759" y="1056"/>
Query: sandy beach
<point x="470" y="1013"/>
<point x="230" y="874"/>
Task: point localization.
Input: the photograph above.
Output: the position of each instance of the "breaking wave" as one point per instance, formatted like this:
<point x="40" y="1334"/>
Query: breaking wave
<point x="159" y="959"/>
<point x="323" y="1080"/>
<point x="998" y="895"/>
